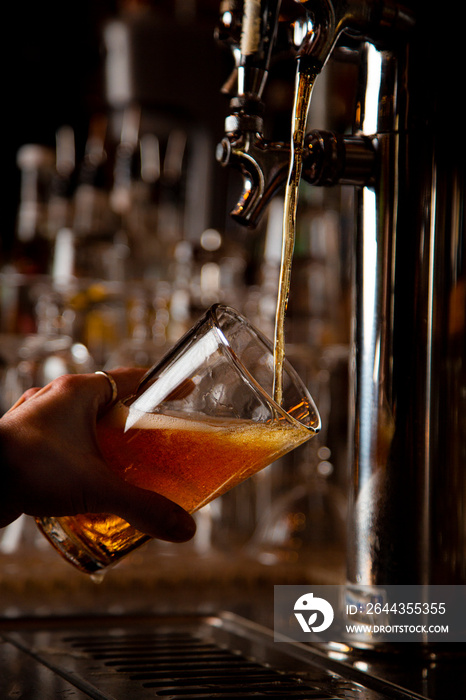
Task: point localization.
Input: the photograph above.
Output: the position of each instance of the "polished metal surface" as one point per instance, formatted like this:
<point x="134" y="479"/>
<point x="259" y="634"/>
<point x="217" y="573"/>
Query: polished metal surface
<point x="409" y="432"/>
<point x="174" y="656"/>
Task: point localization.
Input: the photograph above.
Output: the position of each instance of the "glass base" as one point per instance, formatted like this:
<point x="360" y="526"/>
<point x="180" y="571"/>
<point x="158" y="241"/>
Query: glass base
<point x="75" y="553"/>
<point x="91" y="542"/>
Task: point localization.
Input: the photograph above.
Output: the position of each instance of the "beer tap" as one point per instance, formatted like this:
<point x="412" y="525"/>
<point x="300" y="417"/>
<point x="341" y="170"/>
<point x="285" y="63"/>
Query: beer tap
<point x="328" y="158"/>
<point x="407" y="429"/>
<point x="250" y="29"/>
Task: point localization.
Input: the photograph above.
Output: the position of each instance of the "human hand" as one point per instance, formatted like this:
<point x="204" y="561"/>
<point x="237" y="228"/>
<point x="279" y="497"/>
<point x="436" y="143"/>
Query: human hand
<point x="51" y="464"/>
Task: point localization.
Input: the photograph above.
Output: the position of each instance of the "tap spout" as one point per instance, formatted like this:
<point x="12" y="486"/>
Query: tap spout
<point x="263" y="164"/>
<point x="328" y="159"/>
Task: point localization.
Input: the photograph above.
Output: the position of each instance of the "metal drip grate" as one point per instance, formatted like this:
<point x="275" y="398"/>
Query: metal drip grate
<point x="181" y="666"/>
<point x="181" y="658"/>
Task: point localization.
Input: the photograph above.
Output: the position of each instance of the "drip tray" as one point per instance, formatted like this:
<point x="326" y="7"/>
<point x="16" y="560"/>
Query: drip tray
<point x="173" y="657"/>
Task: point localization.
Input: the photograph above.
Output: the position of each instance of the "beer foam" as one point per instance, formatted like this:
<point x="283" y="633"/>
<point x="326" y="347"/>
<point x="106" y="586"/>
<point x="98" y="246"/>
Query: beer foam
<point x="161" y="421"/>
<point x="128" y="418"/>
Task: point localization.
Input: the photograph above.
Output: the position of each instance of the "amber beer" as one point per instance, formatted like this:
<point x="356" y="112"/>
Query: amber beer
<point x="190" y="461"/>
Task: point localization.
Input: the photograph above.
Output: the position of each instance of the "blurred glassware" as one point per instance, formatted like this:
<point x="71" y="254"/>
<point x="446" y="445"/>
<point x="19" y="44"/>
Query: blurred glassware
<point x="147" y="319"/>
<point x="40" y="360"/>
<point x="46" y="351"/>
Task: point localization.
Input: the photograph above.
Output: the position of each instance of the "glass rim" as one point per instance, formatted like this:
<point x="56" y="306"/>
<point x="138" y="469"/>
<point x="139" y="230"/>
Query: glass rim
<point x="212" y="312"/>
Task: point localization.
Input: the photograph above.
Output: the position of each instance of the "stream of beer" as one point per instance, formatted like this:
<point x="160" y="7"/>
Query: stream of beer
<point x="304" y="84"/>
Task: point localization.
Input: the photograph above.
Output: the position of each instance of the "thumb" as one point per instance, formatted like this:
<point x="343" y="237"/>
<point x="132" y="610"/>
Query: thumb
<point x="151" y="513"/>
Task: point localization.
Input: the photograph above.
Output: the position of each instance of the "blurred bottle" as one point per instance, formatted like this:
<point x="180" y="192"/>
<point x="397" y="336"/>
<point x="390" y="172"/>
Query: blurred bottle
<point x="59" y="205"/>
<point x="31" y="253"/>
<point x="97" y="253"/>
<point x="32" y="248"/>
<point x="60" y="208"/>
<point x="172" y="188"/>
<point x="134" y="198"/>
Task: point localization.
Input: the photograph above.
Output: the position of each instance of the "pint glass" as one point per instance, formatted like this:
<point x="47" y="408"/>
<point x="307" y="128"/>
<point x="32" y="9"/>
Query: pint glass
<point x="201" y="421"/>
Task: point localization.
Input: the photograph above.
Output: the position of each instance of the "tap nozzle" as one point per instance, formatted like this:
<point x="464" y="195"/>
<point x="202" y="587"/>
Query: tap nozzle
<point x="328" y="159"/>
<point x="263" y="164"/>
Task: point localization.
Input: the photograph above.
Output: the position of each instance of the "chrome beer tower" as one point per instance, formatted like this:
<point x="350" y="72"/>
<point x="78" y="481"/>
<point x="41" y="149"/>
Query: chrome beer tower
<point x="407" y="517"/>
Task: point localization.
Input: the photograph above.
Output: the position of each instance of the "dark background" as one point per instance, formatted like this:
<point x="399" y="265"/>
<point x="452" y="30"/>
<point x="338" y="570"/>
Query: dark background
<point x="53" y="75"/>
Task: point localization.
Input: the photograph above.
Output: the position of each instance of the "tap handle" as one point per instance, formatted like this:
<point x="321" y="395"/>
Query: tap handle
<point x="258" y="32"/>
<point x="329" y="159"/>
